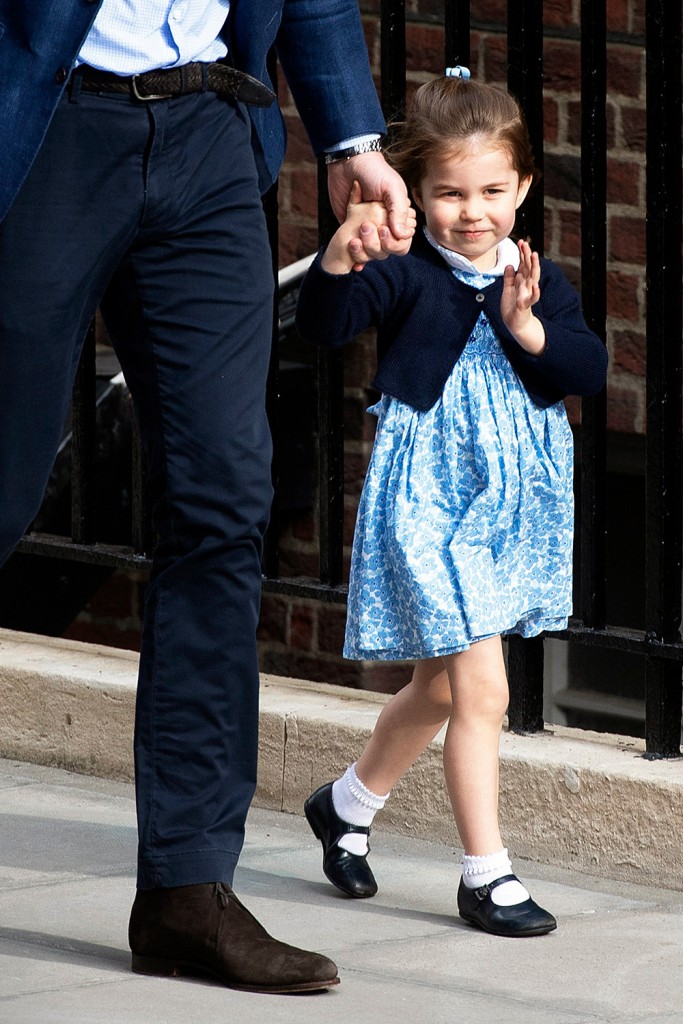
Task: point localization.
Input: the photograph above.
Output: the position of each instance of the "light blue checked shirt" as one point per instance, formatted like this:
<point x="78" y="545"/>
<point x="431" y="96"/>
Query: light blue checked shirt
<point x="130" y="37"/>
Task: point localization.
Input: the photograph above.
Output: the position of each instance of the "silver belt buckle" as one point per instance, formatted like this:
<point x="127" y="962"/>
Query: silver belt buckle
<point x="150" y="96"/>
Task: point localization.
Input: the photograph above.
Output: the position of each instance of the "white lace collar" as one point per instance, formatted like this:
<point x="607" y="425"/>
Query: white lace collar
<point x="507" y="255"/>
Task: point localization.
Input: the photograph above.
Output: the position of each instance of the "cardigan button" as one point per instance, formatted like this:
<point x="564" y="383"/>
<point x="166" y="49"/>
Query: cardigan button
<point x="480" y="296"/>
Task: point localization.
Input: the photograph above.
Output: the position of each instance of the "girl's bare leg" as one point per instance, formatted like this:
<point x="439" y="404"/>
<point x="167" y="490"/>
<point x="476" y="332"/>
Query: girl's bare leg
<point x="471" y="689"/>
<point x="406" y="726"/>
<point x="479" y="692"/>
<point x="480" y="696"/>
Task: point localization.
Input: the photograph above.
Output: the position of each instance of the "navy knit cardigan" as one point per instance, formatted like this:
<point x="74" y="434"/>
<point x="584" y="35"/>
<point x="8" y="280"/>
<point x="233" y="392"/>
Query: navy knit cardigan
<point x="424" y="316"/>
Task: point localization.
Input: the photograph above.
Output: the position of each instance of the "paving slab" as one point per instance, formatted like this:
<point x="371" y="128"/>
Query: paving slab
<point x="67" y="850"/>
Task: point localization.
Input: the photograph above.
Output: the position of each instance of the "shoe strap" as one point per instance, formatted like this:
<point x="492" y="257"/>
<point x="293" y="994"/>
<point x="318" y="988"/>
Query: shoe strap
<point x="485" y="890"/>
<point x="348" y="827"/>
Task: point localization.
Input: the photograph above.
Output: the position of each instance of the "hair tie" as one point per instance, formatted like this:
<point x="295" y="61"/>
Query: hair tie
<point x="458" y="72"/>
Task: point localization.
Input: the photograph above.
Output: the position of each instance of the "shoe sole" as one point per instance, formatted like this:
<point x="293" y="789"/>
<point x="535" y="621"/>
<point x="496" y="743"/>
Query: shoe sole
<point x="507" y="935"/>
<point x="310" y="818"/>
<point x="156" y="967"/>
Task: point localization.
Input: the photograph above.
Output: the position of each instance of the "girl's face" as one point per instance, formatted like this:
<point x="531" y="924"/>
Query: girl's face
<point x="469" y="200"/>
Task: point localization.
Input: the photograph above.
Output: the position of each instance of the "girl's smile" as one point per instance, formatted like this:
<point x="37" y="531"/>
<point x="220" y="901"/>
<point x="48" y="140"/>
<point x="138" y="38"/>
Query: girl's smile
<point x="469" y="200"/>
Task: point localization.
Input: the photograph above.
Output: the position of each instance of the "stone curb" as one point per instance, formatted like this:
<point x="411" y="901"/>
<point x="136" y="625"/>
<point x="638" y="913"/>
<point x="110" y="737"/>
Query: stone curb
<point x="579" y="800"/>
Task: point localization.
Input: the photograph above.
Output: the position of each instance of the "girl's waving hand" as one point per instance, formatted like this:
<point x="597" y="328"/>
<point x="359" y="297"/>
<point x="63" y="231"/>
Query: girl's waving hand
<point x="520" y="292"/>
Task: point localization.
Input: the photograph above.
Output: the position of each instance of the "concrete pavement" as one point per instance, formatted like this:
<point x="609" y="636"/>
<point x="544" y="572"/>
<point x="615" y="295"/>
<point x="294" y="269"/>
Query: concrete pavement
<point x="67" y="849"/>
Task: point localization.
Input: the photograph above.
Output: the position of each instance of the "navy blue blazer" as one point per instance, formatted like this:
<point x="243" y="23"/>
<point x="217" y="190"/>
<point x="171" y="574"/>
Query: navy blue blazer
<point x="424" y="316"/>
<point x="320" y="44"/>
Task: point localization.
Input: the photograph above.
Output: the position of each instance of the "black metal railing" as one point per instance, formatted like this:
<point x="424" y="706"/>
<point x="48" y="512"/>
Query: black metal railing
<point x="659" y="644"/>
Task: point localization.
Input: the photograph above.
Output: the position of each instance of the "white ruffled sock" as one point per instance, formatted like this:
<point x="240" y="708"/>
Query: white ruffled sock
<point x="357" y="805"/>
<point x="478" y="871"/>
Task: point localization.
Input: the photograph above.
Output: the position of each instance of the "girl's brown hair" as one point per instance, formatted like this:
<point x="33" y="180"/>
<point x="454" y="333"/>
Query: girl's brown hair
<point x="446" y="114"/>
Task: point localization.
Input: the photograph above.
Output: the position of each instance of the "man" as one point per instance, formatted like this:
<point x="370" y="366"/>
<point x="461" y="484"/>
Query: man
<point x="131" y="165"/>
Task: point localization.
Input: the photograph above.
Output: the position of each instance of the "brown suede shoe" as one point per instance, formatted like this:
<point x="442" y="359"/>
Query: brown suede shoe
<point x="204" y="929"/>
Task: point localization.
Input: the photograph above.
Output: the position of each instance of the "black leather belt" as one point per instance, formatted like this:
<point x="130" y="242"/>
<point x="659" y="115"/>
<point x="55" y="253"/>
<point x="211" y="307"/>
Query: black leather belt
<point x="166" y="83"/>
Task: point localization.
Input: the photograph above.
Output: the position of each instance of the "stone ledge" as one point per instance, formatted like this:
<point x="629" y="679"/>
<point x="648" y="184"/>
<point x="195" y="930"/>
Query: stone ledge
<point x="569" y="798"/>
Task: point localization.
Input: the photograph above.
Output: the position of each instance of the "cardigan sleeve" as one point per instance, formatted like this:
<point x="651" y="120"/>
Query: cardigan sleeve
<point x="334" y="308"/>
<point x="575" y="359"/>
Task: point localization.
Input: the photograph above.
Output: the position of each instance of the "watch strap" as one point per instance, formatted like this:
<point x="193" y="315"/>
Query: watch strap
<point x="369" y="146"/>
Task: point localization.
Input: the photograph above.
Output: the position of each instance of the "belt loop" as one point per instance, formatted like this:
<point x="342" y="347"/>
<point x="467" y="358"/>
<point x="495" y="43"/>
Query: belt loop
<point x="184" y="78"/>
<point x="205" y="76"/>
<point x="74" y="84"/>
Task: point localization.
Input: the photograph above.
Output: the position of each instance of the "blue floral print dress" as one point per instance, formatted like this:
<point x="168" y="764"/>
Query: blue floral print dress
<point x="465" y="522"/>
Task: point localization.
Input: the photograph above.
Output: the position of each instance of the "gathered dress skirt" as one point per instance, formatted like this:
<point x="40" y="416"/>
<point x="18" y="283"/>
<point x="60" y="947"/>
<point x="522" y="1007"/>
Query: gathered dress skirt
<point x="465" y="522"/>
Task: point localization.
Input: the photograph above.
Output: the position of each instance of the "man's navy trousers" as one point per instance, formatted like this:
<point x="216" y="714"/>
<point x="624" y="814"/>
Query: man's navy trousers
<point x="151" y="211"/>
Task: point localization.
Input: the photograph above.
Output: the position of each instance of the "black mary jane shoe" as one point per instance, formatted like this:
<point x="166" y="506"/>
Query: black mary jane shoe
<point x="518" y="921"/>
<point x="350" y="872"/>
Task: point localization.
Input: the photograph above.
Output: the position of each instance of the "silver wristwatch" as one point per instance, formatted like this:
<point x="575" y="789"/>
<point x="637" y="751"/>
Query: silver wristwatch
<point x="370" y="146"/>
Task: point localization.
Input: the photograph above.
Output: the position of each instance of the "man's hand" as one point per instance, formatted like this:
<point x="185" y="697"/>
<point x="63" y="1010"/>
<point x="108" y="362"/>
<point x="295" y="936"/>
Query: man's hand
<point x="378" y="183"/>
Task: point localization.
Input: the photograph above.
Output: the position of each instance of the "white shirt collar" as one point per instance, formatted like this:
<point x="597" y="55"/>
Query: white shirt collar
<point x="506" y="256"/>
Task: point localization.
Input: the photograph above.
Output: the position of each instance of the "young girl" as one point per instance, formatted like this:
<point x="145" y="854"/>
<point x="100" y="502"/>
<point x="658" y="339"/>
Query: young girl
<point x="464" y="530"/>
